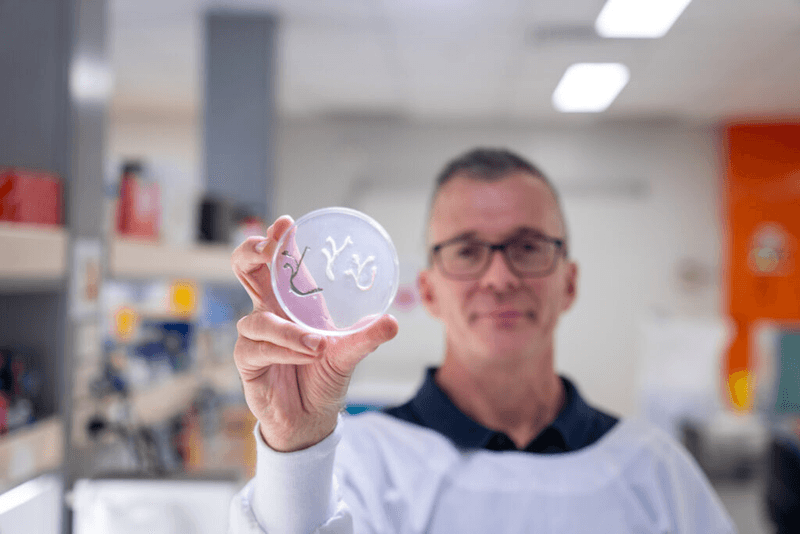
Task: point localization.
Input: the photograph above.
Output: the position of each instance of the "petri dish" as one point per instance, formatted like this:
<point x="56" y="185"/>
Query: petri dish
<point x="335" y="271"/>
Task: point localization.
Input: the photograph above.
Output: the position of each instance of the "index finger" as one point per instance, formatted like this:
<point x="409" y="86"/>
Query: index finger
<point x="250" y="262"/>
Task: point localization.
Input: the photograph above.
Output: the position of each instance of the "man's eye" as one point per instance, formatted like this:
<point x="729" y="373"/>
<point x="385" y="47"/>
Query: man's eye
<point x="528" y="246"/>
<point x="468" y="250"/>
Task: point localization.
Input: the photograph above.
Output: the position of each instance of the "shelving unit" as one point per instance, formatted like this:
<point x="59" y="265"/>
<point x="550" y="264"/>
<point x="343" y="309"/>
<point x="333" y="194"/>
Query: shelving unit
<point x="138" y="260"/>
<point x="147" y="264"/>
<point x="33" y="274"/>
<point x="141" y="260"/>
<point x="50" y="307"/>
<point x="132" y="260"/>
<point x="148" y="406"/>
<point x="31" y="254"/>
<point x="161" y="401"/>
<point x="30" y="451"/>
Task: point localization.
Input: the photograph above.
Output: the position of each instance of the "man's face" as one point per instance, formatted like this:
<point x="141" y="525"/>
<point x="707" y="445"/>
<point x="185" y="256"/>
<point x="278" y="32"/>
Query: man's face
<point x="499" y="314"/>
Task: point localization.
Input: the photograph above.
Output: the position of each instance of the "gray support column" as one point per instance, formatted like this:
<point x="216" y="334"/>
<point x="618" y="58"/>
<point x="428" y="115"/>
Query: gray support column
<point x="90" y="89"/>
<point x="239" y="106"/>
<point x="34" y="62"/>
<point x="54" y="89"/>
<point x="55" y="84"/>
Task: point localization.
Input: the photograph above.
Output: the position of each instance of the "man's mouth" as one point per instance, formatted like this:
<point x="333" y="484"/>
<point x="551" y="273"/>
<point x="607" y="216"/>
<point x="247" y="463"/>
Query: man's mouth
<point x="507" y="314"/>
<point x="504" y="315"/>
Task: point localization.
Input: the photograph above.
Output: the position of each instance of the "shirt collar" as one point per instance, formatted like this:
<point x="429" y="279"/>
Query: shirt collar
<point x="437" y="412"/>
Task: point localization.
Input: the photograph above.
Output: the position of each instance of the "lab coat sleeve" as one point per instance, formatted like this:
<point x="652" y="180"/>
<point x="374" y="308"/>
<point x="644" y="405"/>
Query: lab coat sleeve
<point x="292" y="493"/>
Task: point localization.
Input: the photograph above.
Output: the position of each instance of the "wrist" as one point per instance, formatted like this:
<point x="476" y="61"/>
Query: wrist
<point x="297" y="441"/>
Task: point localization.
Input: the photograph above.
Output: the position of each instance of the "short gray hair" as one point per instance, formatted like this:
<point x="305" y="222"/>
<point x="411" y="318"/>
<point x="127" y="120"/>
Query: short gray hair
<point x="490" y="165"/>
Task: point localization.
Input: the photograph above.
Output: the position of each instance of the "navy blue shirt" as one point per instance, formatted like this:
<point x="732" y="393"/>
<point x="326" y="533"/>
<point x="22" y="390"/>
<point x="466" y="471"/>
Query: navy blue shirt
<point x="576" y="426"/>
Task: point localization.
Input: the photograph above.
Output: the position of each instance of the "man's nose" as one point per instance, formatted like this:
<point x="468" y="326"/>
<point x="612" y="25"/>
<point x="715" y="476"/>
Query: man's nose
<point x="498" y="275"/>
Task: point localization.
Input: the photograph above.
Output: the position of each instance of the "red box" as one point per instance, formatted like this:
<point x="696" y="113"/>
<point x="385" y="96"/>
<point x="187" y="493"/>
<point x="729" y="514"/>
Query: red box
<point x="30" y="196"/>
<point x="139" y="208"/>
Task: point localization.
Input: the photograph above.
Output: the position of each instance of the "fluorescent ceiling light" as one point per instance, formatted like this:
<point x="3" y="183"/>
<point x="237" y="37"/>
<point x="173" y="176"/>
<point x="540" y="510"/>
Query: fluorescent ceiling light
<point x="589" y="87"/>
<point x="638" y="18"/>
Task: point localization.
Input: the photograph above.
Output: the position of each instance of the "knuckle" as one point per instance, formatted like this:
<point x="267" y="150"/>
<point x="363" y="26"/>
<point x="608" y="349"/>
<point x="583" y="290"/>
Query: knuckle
<point x="236" y="256"/>
<point x="239" y="350"/>
<point x="251" y="241"/>
<point x="266" y="349"/>
<point x="239" y="253"/>
<point x="270" y="322"/>
<point x="282" y="329"/>
<point x="241" y="324"/>
<point x="290" y="334"/>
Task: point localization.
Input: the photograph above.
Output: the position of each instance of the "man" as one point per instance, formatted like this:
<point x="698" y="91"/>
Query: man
<point x="495" y="440"/>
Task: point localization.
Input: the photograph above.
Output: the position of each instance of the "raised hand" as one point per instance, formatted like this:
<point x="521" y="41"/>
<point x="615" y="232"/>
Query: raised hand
<point x="294" y="380"/>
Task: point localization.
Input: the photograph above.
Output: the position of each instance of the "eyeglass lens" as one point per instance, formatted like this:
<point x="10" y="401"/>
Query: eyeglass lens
<point x="528" y="255"/>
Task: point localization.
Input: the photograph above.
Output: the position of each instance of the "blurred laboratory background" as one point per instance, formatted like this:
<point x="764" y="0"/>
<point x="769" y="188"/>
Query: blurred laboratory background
<point x="142" y="140"/>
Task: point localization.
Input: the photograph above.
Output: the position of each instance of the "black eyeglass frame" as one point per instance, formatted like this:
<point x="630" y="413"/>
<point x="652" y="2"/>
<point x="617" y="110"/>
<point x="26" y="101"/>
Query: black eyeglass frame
<point x="561" y="249"/>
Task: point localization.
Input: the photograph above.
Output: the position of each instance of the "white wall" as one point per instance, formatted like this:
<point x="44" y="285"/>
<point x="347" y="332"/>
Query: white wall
<point x="628" y="246"/>
<point x="173" y="140"/>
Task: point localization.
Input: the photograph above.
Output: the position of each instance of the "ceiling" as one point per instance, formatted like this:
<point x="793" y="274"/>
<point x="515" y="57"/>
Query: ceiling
<point x="486" y="60"/>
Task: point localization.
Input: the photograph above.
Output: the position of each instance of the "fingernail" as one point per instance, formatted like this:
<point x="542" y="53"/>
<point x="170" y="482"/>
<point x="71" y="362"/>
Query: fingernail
<point x="270" y="229"/>
<point x="261" y="246"/>
<point x="311" y="341"/>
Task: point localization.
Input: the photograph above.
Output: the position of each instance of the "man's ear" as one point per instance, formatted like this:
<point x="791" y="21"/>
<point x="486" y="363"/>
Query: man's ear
<point x="570" y="285"/>
<point x="426" y="292"/>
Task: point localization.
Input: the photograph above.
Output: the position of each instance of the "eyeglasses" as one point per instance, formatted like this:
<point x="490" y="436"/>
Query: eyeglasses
<point x="527" y="255"/>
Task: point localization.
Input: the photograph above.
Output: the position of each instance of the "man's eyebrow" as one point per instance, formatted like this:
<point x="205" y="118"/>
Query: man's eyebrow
<point x="527" y="231"/>
<point x="521" y="231"/>
<point x="469" y="234"/>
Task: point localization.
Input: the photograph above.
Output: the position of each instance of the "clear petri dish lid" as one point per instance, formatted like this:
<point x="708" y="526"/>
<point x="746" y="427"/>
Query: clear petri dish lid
<point x="335" y="271"/>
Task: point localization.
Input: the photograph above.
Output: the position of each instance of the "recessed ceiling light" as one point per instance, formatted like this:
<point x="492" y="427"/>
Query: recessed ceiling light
<point x="638" y="18"/>
<point x="589" y="87"/>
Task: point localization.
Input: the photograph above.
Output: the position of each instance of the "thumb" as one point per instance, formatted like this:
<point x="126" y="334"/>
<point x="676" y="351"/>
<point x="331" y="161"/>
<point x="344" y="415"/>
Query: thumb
<point x="365" y="341"/>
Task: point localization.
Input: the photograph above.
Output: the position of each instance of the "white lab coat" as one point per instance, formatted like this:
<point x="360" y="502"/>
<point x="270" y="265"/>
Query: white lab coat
<point x="378" y="474"/>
